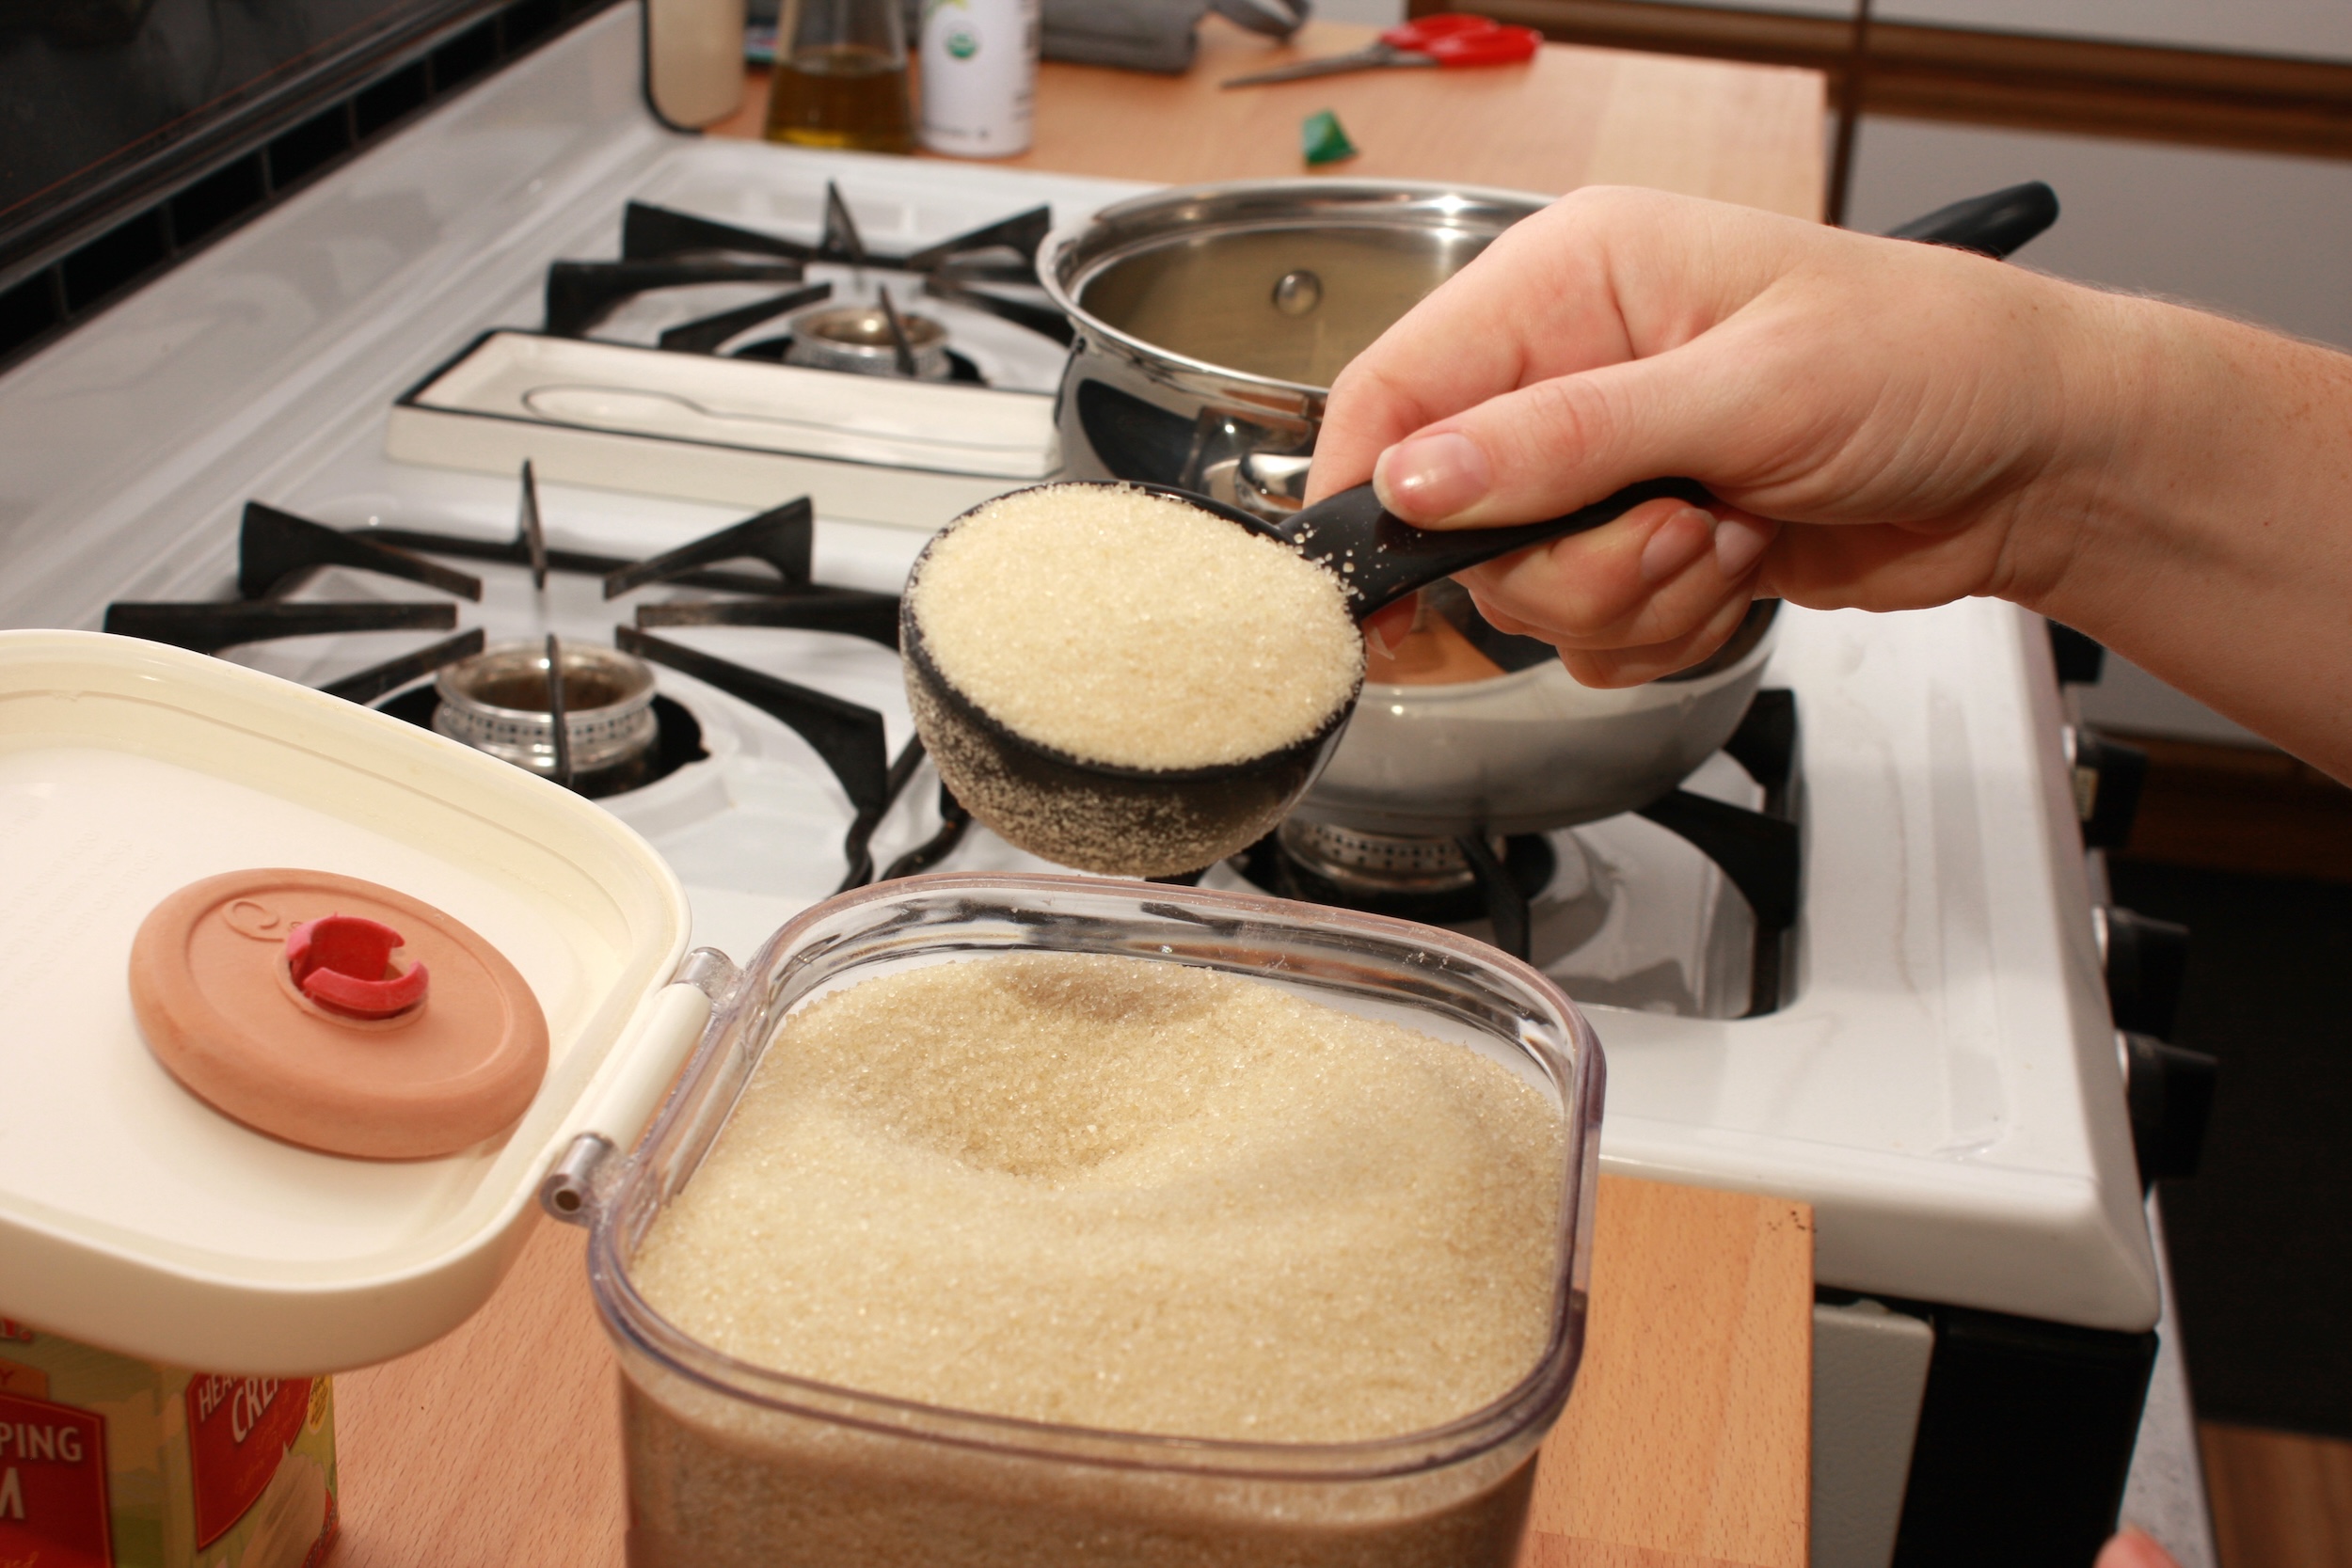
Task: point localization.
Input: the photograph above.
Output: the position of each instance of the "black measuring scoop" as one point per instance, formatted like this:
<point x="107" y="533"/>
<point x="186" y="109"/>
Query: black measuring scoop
<point x="1157" y="822"/>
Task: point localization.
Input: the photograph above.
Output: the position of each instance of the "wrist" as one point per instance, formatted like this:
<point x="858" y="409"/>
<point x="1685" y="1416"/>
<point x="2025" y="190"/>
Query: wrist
<point x="2139" y="451"/>
<point x="2208" y="541"/>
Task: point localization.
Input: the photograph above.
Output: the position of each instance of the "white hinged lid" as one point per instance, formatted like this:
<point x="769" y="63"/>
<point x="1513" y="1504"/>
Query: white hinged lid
<point x="136" y="1217"/>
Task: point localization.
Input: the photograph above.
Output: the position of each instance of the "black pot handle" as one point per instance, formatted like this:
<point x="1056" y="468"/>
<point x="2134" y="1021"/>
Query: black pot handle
<point x="1993" y="224"/>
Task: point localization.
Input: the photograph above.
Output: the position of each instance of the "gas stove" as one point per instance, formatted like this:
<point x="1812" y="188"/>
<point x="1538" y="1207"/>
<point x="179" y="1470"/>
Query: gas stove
<point x="1910" y="1032"/>
<point x="1937" y="1078"/>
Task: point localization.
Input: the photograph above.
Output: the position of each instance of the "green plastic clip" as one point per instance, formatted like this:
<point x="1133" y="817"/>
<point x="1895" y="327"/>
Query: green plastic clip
<point x="1325" y="141"/>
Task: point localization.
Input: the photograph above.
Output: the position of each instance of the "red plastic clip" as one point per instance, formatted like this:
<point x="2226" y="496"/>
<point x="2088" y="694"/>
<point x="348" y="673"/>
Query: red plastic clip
<point x="343" y="962"/>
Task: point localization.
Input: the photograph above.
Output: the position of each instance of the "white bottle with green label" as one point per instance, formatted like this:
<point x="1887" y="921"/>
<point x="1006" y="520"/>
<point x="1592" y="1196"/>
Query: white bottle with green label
<point x="980" y="75"/>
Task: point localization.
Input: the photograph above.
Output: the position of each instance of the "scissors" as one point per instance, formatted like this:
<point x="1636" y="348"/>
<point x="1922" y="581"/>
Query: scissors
<point x="1447" y="39"/>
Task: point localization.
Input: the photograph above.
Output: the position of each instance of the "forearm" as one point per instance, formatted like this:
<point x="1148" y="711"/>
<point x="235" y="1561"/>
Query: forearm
<point x="2207" y="532"/>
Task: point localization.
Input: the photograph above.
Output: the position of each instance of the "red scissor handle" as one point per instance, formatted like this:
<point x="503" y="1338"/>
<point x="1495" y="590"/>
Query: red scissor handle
<point x="1419" y="31"/>
<point x="1456" y="37"/>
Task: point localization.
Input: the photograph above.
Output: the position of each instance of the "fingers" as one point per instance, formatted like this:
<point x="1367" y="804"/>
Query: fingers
<point x="1556" y="445"/>
<point x="1657" y="585"/>
<point x="1616" y="667"/>
<point x="1903" y="406"/>
<point x="1543" y="301"/>
<point x="1386" y="628"/>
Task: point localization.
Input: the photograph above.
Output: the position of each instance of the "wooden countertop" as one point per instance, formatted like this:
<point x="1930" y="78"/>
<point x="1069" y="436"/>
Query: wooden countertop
<point x="1684" y="1444"/>
<point x="1570" y="117"/>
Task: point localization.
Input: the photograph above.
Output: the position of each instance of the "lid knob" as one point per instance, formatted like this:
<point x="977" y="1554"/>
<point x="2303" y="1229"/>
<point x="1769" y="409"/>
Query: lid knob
<point x="341" y="962"/>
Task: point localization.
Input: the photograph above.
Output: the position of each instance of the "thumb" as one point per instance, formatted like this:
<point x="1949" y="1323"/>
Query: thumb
<point x="1552" y="447"/>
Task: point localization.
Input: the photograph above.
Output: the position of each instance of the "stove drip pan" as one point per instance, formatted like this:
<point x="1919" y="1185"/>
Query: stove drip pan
<point x="498" y="702"/>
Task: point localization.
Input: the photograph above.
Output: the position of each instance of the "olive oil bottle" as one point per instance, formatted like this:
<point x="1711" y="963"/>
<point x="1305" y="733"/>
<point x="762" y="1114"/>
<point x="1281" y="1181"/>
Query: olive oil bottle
<point x="979" y="76"/>
<point x="841" y="77"/>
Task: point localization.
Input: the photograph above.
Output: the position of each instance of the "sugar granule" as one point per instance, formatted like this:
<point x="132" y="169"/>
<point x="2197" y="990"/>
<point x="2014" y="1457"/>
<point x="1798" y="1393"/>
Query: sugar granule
<point x="1130" y="628"/>
<point x="1128" y="1195"/>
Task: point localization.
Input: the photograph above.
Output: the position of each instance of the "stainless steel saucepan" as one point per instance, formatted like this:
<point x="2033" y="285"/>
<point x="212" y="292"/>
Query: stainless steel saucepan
<point x="1210" y="323"/>
<point x="1212" y="320"/>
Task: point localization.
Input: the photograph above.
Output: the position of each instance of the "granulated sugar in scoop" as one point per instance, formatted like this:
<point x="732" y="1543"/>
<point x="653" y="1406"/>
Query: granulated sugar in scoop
<point x="1126" y="627"/>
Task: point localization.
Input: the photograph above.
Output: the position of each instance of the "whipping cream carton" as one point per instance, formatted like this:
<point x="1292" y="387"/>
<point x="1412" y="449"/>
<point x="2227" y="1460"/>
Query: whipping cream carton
<point x="108" y="1462"/>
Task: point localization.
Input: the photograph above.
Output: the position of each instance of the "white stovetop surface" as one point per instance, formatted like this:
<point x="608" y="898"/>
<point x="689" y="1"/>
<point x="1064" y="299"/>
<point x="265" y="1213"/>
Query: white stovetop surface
<point x="1944" y="1086"/>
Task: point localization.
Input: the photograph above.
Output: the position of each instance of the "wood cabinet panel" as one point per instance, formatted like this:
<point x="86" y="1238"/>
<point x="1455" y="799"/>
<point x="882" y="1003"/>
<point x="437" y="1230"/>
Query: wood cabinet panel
<point x="1898" y="66"/>
<point x="2309" y="29"/>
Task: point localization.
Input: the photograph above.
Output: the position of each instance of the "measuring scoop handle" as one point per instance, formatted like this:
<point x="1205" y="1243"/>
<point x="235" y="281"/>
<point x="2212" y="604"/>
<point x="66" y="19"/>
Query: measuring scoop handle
<point x="1382" y="558"/>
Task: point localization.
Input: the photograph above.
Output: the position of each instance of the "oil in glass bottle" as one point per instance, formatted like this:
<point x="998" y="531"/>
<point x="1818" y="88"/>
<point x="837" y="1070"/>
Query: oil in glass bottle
<point x="841" y="76"/>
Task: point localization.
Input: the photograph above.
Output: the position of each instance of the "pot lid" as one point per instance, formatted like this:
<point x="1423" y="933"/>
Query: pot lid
<point x="1266" y="284"/>
<point x="134" y="1216"/>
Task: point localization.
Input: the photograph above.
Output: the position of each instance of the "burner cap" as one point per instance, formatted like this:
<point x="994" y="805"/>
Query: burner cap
<point x="1376" y="863"/>
<point x="497" y="702"/>
<point x="856" y="338"/>
<point x="1428" y="879"/>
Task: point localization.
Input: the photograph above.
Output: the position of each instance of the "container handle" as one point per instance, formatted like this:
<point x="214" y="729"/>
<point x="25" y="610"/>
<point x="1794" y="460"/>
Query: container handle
<point x="649" y="1060"/>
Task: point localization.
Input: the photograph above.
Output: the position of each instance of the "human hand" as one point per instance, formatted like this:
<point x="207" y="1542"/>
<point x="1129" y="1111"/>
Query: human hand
<point x="1916" y="409"/>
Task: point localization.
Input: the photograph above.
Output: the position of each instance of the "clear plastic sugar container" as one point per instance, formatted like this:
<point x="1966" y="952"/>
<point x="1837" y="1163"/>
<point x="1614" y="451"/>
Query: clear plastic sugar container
<point x="731" y="1462"/>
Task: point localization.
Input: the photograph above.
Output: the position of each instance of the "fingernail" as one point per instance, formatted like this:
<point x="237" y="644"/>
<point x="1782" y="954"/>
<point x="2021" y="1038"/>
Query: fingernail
<point x="1681" y="539"/>
<point x="1387" y="628"/>
<point x="1737" y="543"/>
<point x="1432" y="477"/>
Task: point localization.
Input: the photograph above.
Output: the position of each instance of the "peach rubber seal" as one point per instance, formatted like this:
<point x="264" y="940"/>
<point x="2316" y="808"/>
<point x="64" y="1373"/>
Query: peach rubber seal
<point x="338" y="1014"/>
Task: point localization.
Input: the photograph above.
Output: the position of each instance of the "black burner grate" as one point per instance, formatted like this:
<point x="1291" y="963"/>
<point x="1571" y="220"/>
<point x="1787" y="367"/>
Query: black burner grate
<point x="209" y="627"/>
<point x="663" y="248"/>
<point x="582" y="293"/>
<point x="276" y="552"/>
<point x="279" y="551"/>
